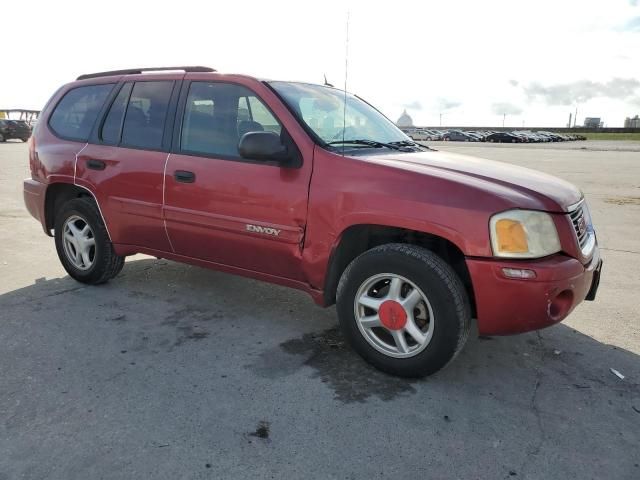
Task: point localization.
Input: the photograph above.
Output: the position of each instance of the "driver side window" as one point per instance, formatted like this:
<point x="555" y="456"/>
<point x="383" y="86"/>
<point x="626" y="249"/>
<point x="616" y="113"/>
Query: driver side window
<point x="217" y="115"/>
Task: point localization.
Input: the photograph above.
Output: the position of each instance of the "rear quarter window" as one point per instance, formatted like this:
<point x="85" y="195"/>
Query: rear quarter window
<point x="75" y="114"/>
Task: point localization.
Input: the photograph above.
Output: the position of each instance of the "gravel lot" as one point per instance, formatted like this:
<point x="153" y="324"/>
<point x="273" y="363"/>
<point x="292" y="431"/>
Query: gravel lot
<point x="172" y="371"/>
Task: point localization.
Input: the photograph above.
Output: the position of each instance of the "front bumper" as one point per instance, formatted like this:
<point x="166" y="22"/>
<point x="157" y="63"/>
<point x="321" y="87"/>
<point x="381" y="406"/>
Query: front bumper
<point x="507" y="306"/>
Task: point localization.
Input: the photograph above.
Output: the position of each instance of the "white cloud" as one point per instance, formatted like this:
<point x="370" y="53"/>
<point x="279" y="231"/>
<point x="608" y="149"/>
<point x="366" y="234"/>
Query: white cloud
<point x="414" y="105"/>
<point x="505" y="108"/>
<point x="445" y="104"/>
<point x="582" y="91"/>
<point x="632" y="25"/>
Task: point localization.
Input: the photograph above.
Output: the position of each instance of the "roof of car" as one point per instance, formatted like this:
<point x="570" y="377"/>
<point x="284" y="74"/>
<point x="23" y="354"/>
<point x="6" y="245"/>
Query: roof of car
<point x="133" y="71"/>
<point x="185" y="69"/>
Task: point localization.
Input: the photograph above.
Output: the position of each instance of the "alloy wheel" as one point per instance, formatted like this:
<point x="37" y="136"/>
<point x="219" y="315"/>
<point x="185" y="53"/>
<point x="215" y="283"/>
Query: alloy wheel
<point x="79" y="242"/>
<point x="394" y="315"/>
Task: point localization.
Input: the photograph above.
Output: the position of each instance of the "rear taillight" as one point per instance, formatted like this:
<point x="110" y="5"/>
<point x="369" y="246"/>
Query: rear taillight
<point x="34" y="162"/>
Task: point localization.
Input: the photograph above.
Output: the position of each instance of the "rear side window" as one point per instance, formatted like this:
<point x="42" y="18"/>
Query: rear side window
<point x="75" y="114"/>
<point x="112" y="127"/>
<point x="146" y="114"/>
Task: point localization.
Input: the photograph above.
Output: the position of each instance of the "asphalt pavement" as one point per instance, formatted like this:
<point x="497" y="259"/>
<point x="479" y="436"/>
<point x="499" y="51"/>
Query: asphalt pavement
<point x="171" y="371"/>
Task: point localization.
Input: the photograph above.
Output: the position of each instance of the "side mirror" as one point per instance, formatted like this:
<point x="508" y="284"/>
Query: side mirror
<point x="263" y="146"/>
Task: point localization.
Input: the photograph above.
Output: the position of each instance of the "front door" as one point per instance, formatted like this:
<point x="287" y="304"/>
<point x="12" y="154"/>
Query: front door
<point x="222" y="208"/>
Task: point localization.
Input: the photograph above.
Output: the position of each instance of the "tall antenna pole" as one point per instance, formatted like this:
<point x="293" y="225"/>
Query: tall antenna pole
<point x="346" y="70"/>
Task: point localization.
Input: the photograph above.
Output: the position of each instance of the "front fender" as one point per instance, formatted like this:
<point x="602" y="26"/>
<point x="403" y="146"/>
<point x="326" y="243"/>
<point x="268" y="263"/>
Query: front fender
<point x="322" y="243"/>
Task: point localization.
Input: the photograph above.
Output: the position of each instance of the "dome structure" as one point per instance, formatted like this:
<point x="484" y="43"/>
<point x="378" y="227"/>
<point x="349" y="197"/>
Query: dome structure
<point x="405" y="120"/>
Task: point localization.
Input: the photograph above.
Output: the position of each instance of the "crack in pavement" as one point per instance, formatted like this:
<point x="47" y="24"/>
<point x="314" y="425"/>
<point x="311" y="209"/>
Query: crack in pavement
<point x="534" y="407"/>
<point x="618" y="250"/>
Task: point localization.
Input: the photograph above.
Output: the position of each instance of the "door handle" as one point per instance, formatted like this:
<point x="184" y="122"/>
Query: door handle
<point x="96" y="164"/>
<point x="184" y="177"/>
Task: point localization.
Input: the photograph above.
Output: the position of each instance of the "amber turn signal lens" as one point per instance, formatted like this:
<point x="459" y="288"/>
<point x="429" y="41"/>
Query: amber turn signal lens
<point x="511" y="236"/>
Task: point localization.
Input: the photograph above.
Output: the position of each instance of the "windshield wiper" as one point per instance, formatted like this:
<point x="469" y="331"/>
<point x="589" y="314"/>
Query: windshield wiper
<point x="410" y="143"/>
<point x="368" y="143"/>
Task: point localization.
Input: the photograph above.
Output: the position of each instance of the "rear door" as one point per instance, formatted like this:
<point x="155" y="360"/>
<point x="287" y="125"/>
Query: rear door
<point x="222" y="208"/>
<point x="124" y="161"/>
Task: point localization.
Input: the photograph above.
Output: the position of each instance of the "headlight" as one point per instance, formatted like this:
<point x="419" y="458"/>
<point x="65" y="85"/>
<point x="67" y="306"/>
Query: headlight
<point x="523" y="234"/>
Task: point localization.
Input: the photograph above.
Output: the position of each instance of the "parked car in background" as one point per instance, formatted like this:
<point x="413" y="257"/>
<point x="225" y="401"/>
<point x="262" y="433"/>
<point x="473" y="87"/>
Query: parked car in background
<point x="420" y="135"/>
<point x="551" y="137"/>
<point x="458" y="136"/>
<point x="434" y="135"/>
<point x="502" y="137"/>
<point x="476" y="135"/>
<point x="14" y="129"/>
<point x="513" y="136"/>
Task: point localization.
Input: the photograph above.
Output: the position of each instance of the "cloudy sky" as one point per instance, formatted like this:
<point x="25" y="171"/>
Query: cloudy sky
<point x="470" y="61"/>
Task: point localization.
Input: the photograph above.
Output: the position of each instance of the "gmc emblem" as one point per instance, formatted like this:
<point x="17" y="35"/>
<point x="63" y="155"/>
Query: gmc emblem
<point x="265" y="230"/>
<point x="582" y="226"/>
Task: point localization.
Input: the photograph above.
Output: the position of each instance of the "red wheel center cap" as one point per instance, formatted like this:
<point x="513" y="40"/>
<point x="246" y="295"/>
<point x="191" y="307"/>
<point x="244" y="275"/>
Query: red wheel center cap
<point x="392" y="315"/>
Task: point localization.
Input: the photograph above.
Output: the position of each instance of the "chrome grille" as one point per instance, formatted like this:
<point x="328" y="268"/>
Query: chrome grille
<point x="580" y="225"/>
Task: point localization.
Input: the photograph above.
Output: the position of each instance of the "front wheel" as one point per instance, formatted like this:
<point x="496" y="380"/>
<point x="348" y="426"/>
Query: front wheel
<point x="403" y="309"/>
<point x="83" y="244"/>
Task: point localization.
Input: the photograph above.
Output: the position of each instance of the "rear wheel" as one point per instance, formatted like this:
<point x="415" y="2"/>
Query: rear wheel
<point x="83" y="244"/>
<point x="403" y="309"/>
<point x="25" y="140"/>
<point x="2" y="139"/>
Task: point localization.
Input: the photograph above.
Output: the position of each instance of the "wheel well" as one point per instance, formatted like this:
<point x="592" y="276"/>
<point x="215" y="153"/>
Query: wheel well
<point x="358" y="239"/>
<point x="57" y="195"/>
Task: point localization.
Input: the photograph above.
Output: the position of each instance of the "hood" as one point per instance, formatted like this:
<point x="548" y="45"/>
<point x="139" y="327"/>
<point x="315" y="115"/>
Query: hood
<point x="545" y="191"/>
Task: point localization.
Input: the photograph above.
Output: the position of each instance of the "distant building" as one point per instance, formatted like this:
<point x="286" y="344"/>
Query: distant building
<point x="592" y="122"/>
<point x="632" y="122"/>
<point x="405" y="120"/>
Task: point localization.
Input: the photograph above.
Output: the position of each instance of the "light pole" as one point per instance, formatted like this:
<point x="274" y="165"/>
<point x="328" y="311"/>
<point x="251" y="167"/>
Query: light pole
<point x="440" y="119"/>
<point x="504" y="117"/>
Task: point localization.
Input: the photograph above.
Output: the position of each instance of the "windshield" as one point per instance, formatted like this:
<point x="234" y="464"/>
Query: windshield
<point x="322" y="110"/>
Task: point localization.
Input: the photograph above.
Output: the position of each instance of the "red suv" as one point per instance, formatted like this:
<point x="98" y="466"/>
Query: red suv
<point x="313" y="188"/>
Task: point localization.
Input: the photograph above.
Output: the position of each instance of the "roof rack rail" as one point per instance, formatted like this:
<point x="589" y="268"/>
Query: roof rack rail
<point x="133" y="71"/>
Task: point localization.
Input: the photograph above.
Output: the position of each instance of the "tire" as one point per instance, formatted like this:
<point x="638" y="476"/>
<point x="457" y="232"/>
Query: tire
<point x="104" y="264"/>
<point x="24" y="140"/>
<point x="2" y="139"/>
<point x="449" y="314"/>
